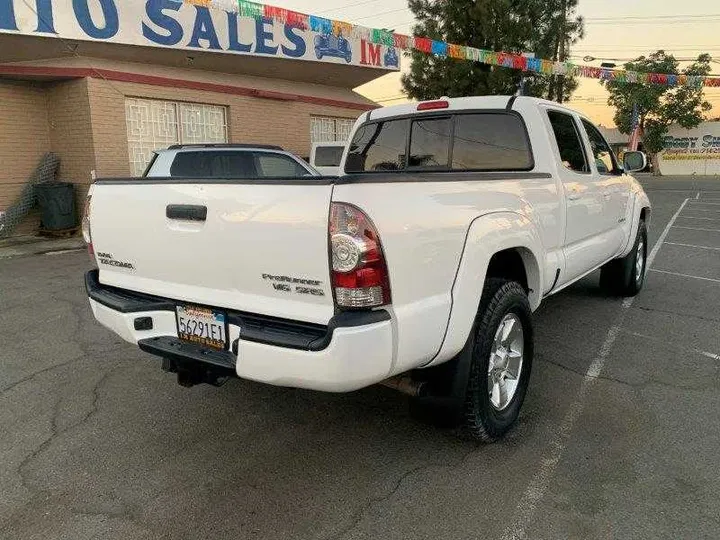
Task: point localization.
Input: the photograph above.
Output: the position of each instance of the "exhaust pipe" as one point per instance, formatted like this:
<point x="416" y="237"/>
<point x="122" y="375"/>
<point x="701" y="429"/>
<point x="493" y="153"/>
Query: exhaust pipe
<point x="405" y="385"/>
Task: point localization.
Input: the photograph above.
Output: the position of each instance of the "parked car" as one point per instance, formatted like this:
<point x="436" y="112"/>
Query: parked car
<point x="226" y="161"/>
<point x="332" y="45"/>
<point x="418" y="268"/>
<point x="325" y="157"/>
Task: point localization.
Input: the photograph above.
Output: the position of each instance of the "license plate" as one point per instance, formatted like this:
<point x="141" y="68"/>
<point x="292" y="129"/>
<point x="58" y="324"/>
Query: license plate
<point x="203" y="326"/>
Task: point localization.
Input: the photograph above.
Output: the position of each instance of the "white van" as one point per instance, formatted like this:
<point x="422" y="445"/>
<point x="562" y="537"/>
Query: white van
<point x="325" y="157"/>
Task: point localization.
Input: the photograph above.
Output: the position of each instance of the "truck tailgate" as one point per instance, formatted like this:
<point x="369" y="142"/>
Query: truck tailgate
<point x="261" y="247"/>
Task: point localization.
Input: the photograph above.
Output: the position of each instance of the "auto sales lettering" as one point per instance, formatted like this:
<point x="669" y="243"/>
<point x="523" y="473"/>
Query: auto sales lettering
<point x="170" y="23"/>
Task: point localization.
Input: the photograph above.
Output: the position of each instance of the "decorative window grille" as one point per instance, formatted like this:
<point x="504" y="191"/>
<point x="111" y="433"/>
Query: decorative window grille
<point x="329" y="129"/>
<point x="155" y="124"/>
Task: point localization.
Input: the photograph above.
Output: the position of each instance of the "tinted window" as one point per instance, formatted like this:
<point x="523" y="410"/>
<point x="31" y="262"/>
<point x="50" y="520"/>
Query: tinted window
<point x="270" y="165"/>
<point x="220" y="164"/>
<point x="568" y="140"/>
<point x="492" y="142"/>
<point x="378" y="147"/>
<point x="602" y="153"/>
<point x="430" y="143"/>
<point x="230" y="164"/>
<point x="328" y="156"/>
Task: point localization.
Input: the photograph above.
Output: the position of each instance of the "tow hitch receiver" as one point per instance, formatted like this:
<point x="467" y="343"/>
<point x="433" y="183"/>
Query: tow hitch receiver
<point x="193" y="363"/>
<point x="190" y="373"/>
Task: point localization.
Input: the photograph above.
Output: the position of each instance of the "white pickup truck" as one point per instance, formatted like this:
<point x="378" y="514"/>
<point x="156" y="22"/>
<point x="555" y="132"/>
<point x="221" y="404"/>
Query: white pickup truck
<point x="418" y="267"/>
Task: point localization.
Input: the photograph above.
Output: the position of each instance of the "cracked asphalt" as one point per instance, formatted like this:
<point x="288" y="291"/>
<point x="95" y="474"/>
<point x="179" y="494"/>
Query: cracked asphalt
<point x="96" y="442"/>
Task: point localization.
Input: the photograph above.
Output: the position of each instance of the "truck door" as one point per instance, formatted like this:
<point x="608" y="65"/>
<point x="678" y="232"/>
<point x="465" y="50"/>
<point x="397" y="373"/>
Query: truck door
<point x="584" y="246"/>
<point x="612" y="184"/>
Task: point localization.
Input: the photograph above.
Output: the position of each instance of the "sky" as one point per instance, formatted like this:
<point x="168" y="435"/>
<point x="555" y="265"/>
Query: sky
<point x="636" y="27"/>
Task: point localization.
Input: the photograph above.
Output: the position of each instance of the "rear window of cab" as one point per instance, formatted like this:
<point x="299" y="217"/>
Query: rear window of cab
<point x="482" y="141"/>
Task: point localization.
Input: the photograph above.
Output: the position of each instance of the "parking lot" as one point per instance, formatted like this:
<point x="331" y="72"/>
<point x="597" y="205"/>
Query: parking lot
<point x="618" y="437"/>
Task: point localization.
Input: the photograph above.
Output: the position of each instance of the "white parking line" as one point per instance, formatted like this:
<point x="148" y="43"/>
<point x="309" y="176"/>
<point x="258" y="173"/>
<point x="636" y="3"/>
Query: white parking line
<point x="549" y="461"/>
<point x="63" y="251"/>
<point x="697" y="196"/>
<point x="691" y="246"/>
<point x="698" y="217"/>
<point x="705" y="210"/>
<point x="697" y="202"/>
<point x="672" y="345"/>
<point x="697" y="229"/>
<point x="684" y="275"/>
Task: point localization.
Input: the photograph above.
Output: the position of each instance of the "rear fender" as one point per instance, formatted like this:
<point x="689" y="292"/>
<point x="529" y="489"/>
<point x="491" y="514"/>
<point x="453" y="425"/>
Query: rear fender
<point x="488" y="235"/>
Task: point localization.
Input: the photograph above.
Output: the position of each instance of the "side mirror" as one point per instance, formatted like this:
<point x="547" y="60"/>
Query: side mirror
<point x="634" y="161"/>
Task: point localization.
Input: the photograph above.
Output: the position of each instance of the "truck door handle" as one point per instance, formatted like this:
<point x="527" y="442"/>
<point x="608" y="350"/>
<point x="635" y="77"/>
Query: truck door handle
<point x="607" y="194"/>
<point x="187" y="212"/>
<point x="574" y="193"/>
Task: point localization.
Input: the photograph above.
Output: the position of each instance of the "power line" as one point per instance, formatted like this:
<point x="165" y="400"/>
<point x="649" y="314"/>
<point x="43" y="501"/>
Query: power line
<point x="649" y="23"/>
<point x="597" y="20"/>
<point x="648" y="17"/>
<point x="354" y="4"/>
<point x="681" y="59"/>
<point x="650" y="48"/>
<point x="379" y="14"/>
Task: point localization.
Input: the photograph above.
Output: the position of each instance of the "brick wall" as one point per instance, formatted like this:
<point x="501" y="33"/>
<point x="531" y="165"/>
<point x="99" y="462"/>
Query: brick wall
<point x="250" y="119"/>
<point x="24" y="139"/>
<point x="71" y="133"/>
<point x="83" y="122"/>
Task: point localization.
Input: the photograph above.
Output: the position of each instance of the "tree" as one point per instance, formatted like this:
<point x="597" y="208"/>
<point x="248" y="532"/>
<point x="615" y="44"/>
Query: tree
<point x="659" y="106"/>
<point x="546" y="27"/>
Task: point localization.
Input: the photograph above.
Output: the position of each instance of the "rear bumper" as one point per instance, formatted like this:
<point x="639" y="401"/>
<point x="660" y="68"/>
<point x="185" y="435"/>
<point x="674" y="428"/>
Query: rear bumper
<point x="354" y="351"/>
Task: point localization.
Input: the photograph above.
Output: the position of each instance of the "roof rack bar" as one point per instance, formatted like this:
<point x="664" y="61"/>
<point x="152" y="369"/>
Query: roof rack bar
<point x="225" y="145"/>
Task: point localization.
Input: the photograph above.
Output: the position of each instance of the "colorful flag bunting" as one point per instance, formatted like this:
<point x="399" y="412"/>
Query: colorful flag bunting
<point x="322" y="25"/>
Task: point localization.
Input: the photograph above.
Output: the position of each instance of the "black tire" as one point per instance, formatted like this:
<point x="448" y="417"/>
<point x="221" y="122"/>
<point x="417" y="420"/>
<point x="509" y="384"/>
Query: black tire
<point x="620" y="277"/>
<point x="481" y="420"/>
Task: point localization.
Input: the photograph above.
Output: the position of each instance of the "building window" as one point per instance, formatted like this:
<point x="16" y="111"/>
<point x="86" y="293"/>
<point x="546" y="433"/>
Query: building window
<point x="154" y="124"/>
<point x="329" y="129"/>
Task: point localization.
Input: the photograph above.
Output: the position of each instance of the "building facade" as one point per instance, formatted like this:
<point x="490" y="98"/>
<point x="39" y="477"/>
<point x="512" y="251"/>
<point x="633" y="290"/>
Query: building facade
<point x="104" y="84"/>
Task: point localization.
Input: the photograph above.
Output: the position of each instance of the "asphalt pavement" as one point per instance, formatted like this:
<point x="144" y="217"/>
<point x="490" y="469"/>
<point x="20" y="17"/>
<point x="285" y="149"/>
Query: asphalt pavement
<point x="618" y="437"/>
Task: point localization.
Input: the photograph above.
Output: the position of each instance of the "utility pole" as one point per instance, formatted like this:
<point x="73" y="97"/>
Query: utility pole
<point x="561" y="55"/>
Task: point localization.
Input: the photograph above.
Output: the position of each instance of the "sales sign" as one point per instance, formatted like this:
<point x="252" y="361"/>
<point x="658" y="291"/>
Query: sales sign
<point x="705" y="146"/>
<point x="179" y="25"/>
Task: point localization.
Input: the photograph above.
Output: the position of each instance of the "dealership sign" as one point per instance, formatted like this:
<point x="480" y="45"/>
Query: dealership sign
<point x="690" y="148"/>
<point x="174" y="24"/>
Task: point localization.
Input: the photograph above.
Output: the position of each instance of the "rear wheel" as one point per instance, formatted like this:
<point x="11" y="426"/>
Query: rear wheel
<point x="502" y="353"/>
<point x="626" y="276"/>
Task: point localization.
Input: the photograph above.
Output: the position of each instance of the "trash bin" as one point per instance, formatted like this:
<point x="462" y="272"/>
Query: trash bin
<point x="57" y="205"/>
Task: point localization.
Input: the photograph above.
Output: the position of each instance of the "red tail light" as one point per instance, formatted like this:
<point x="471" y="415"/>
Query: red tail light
<point x="359" y="272"/>
<point x="432" y="105"/>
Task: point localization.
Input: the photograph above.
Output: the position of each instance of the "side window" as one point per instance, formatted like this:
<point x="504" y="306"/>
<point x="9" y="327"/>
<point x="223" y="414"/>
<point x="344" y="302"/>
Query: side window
<point x="213" y="164"/>
<point x="490" y="142"/>
<point x="430" y="143"/>
<point x="378" y="147"/>
<point x="277" y="165"/>
<point x="328" y="156"/>
<point x="602" y="153"/>
<point x="569" y="142"/>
